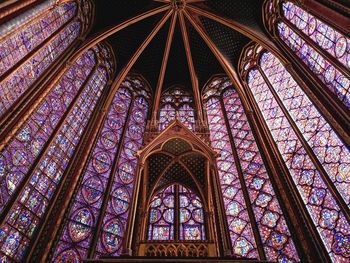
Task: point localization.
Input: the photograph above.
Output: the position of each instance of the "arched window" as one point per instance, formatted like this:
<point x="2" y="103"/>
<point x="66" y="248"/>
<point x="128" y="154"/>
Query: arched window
<point x="253" y="213"/>
<point x="33" y="41"/>
<point x="99" y="211"/>
<point x="176" y="103"/>
<point x="171" y="203"/>
<point x="325" y="50"/>
<point x="34" y="160"/>
<point x="317" y="159"/>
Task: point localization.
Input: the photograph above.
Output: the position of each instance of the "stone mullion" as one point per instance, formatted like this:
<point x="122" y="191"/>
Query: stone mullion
<point x="114" y="171"/>
<point x="36" y="50"/>
<point x="223" y="233"/>
<point x="76" y="168"/>
<point x="36" y="163"/>
<point x="176" y="214"/>
<point x="278" y="188"/>
<point x="22" y="7"/>
<point x="308" y="149"/>
<point x="21" y="109"/>
<point x="297" y="206"/>
<point x="248" y="204"/>
<point x="329" y="101"/>
<point x="336" y="63"/>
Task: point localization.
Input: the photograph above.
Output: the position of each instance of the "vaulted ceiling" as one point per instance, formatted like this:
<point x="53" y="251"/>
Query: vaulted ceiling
<point x="178" y="71"/>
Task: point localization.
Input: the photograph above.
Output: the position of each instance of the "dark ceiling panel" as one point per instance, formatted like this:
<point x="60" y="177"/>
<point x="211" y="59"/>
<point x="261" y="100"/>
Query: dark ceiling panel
<point x="177" y="146"/>
<point x="150" y="61"/>
<point x="177" y="72"/>
<point x="229" y="42"/>
<point x="126" y="42"/>
<point x="204" y="60"/>
<point x="111" y="12"/>
<point x="247" y="12"/>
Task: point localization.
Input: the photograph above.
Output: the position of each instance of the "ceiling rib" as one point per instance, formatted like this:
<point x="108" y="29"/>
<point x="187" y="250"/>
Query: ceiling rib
<point x="116" y="28"/>
<point x="226" y="65"/>
<point x="239" y="27"/>
<point x="164" y="65"/>
<point x="125" y="71"/>
<point x="194" y="79"/>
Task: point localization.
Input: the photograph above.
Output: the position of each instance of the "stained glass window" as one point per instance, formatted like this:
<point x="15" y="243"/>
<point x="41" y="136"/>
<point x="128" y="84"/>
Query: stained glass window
<point x="176" y="200"/>
<point x="161" y="215"/>
<point x="107" y="180"/>
<point x="191" y="215"/>
<point x="176" y="103"/>
<point x="166" y="115"/>
<point x="305" y="141"/>
<point x="297" y="28"/>
<point x="57" y="124"/>
<point x="245" y="183"/>
<point x="328" y="148"/>
<point x="30" y="43"/>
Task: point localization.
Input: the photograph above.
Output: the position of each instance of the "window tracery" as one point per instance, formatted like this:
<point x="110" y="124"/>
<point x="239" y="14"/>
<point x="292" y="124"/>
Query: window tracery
<point x="323" y="49"/>
<point x="176" y="103"/>
<point x="31" y="43"/>
<point x="249" y="198"/>
<point x="317" y="159"/>
<point x="34" y="160"/>
<point x="176" y="199"/>
<point x="106" y="187"/>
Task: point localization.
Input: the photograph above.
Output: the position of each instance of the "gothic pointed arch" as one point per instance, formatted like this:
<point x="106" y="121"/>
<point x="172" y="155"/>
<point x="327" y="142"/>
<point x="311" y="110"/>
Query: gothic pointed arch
<point x="176" y="103"/>
<point x="174" y="167"/>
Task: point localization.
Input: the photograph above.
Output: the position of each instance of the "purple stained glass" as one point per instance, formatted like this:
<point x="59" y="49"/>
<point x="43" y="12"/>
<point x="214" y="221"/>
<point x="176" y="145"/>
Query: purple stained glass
<point x="162" y="211"/>
<point x="22" y="150"/>
<point x="32" y="203"/>
<point x="117" y="211"/>
<point x="176" y="103"/>
<point x="241" y="233"/>
<point x="186" y="116"/>
<point x="166" y="114"/>
<point x="17" y="43"/>
<point x="191" y="215"/>
<point x="161" y="215"/>
<point x="324" y="210"/>
<point x="327" y="146"/>
<point x="329" y="39"/>
<point x="333" y="78"/>
<point x="27" y="73"/>
<point x="274" y="233"/>
<point x="78" y="230"/>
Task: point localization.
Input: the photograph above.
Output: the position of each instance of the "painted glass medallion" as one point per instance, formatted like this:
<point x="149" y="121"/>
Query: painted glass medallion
<point x="120" y="200"/>
<point x="92" y="189"/>
<point x="126" y="173"/>
<point x="111" y="238"/>
<point x="109" y="140"/>
<point x="135" y="132"/>
<point x="68" y="256"/>
<point x="79" y="227"/>
<point x="102" y="162"/>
